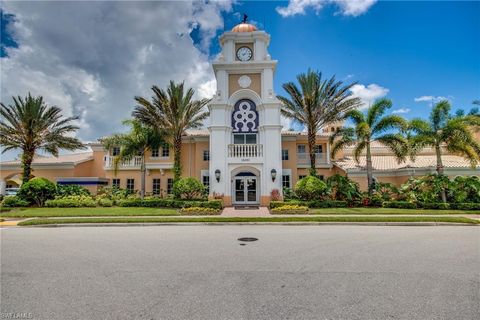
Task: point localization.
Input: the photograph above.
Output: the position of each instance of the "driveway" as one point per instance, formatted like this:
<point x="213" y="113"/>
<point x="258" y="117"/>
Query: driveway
<point x="202" y="272"/>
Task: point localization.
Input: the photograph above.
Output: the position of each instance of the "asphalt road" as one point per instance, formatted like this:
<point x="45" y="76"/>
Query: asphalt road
<point x="202" y="272"/>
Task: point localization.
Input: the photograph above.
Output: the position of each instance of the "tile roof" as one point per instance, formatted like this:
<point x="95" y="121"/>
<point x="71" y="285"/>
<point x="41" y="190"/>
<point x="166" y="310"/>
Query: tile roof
<point x="385" y="163"/>
<point x="72" y="158"/>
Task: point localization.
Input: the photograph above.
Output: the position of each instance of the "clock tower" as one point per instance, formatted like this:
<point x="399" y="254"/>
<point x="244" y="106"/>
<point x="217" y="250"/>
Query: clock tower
<point x="245" y="127"/>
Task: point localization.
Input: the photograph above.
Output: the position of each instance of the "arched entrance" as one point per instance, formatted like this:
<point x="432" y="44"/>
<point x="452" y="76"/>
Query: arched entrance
<point x="245" y="188"/>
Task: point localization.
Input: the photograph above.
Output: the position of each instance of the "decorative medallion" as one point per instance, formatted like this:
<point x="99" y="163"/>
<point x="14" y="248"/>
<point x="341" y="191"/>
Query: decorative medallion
<point x="245" y="116"/>
<point x="244" y="81"/>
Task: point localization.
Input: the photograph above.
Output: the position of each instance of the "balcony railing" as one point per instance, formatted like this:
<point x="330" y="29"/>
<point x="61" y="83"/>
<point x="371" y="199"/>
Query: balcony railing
<point x="245" y="150"/>
<point x="109" y="162"/>
<point x="304" y="159"/>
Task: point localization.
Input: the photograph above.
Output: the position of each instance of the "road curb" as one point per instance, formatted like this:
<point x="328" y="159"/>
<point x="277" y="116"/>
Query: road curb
<point x="146" y="224"/>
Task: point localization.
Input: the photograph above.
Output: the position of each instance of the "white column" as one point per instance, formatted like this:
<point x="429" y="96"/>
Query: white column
<point x="3" y="186"/>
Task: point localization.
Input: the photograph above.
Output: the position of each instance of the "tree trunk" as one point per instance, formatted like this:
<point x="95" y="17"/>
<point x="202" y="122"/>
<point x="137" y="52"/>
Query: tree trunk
<point x="369" y="169"/>
<point x="177" y="149"/>
<point x="142" y="179"/>
<point x="27" y="159"/>
<point x="311" y="150"/>
<point x="440" y="170"/>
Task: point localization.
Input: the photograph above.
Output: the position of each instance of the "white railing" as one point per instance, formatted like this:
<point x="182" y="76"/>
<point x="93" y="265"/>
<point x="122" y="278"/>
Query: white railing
<point x="245" y="150"/>
<point x="109" y="162"/>
<point x="304" y="158"/>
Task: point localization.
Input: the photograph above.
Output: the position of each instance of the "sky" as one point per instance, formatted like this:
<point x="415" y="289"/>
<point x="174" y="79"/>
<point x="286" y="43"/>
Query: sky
<point x="92" y="58"/>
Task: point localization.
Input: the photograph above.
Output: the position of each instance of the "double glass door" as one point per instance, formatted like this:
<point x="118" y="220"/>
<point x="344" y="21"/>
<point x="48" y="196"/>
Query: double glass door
<point x="245" y="190"/>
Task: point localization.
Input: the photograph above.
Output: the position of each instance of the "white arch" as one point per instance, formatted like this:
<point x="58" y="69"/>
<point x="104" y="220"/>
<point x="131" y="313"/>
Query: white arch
<point x="251" y="169"/>
<point x="244" y="94"/>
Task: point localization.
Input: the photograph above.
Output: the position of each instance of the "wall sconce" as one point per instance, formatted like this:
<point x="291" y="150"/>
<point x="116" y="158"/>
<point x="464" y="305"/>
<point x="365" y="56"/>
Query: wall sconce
<point x="217" y="175"/>
<point x="274" y="174"/>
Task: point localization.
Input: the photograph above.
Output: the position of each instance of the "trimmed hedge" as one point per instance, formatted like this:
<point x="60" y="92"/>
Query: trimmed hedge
<point x="71" y="202"/>
<point x="14" y="201"/>
<point x="311" y="204"/>
<point x="290" y="209"/>
<point x="170" y="203"/>
<point x="465" y="206"/>
<point x="434" y="205"/>
<point x="199" y="211"/>
<point x="399" y="204"/>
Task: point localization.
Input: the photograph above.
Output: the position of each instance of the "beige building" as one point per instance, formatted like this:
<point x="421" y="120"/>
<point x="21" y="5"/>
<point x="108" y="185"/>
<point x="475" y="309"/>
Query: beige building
<point x="244" y="154"/>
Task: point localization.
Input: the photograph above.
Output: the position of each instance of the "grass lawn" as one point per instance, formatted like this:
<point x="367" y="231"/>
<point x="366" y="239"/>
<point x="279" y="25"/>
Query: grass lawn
<point x="388" y="211"/>
<point x="89" y="212"/>
<point x="246" y="219"/>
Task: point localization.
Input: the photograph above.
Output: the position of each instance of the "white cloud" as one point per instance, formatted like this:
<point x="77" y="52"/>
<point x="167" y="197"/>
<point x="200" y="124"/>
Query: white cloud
<point x="347" y="7"/>
<point x="92" y="58"/>
<point x="432" y="98"/>
<point x="368" y="94"/>
<point x="401" y="110"/>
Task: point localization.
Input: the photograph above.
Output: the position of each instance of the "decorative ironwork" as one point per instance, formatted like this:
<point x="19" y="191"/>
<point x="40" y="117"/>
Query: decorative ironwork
<point x="245" y="117"/>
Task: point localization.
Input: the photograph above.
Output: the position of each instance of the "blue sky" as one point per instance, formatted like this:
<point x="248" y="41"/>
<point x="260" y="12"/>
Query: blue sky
<point x="411" y="48"/>
<point x="92" y="58"/>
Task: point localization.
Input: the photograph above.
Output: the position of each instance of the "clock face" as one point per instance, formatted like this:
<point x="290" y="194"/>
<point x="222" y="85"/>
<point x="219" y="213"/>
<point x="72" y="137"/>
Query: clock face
<point x="244" y="53"/>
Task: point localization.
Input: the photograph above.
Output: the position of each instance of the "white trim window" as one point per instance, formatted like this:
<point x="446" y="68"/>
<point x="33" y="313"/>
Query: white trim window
<point x="115" y="151"/>
<point x="206" y="155"/>
<point x="169" y="185"/>
<point x="131" y="185"/>
<point x="156" y="186"/>
<point x="155" y="153"/>
<point x="286" y="183"/>
<point x="284" y="154"/>
<point x="116" y="182"/>
<point x="166" y="151"/>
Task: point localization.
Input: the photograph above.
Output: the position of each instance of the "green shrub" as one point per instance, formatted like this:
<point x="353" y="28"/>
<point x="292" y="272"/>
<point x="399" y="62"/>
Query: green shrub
<point x="64" y="190"/>
<point x="465" y="190"/>
<point x="170" y="203"/>
<point x="436" y="205"/>
<point x="310" y="188"/>
<point x="13" y="201"/>
<point x="114" y="193"/>
<point x="71" y="201"/>
<point x="290" y="209"/>
<point x="327" y="204"/>
<point x="188" y="188"/>
<point x="37" y="191"/>
<point x="465" y="206"/>
<point x="425" y="189"/>
<point x="199" y="211"/>
<point x="342" y="188"/>
<point x="399" y="204"/>
<point x="104" y="202"/>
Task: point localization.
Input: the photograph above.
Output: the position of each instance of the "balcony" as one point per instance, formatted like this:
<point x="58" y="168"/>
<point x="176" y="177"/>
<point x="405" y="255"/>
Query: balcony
<point x="134" y="162"/>
<point x="321" y="159"/>
<point x="245" y="151"/>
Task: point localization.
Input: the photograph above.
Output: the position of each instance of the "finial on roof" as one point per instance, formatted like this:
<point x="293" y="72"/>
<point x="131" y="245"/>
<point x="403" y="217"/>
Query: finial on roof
<point x="245" y="17"/>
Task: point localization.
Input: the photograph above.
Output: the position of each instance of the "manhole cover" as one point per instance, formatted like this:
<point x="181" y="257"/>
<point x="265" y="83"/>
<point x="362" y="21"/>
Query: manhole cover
<point x="247" y="239"/>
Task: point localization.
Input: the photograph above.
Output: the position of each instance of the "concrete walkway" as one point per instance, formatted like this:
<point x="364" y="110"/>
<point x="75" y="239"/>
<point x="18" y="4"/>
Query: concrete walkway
<point x="232" y="212"/>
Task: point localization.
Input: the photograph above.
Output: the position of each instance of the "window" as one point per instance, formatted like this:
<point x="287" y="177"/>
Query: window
<point x="285" y="154"/>
<point x="131" y="185"/>
<point x="318" y="148"/>
<point x="206" y="155"/>
<point x="115" y="151"/>
<point x="206" y="183"/>
<point x="156" y="186"/>
<point x="245" y="138"/>
<point x="321" y="177"/>
<point x="301" y="148"/>
<point x="169" y="185"/>
<point x="165" y="151"/>
<point x="155" y="152"/>
<point x="286" y="181"/>
<point x="301" y="177"/>
<point x="116" y="183"/>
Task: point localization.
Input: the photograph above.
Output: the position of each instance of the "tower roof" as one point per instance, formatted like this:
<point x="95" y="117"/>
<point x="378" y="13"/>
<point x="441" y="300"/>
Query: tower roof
<point x="244" y="27"/>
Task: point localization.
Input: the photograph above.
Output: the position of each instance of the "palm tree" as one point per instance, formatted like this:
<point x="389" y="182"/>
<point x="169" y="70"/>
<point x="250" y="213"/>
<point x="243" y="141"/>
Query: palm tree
<point x="372" y="126"/>
<point x="137" y="142"/>
<point x="173" y="111"/>
<point x="30" y="125"/>
<point x="445" y="131"/>
<point x="316" y="103"/>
